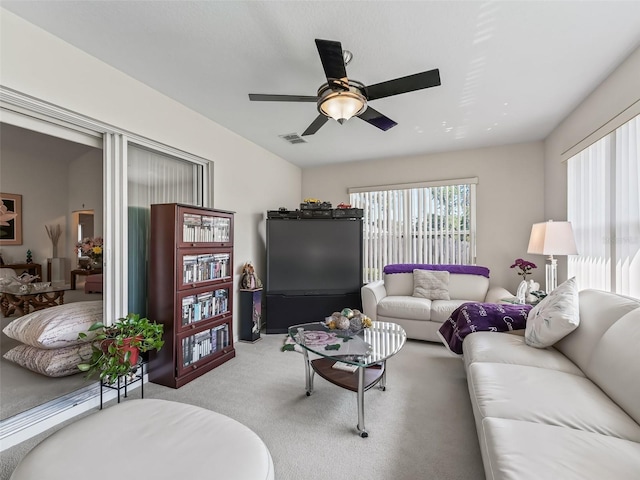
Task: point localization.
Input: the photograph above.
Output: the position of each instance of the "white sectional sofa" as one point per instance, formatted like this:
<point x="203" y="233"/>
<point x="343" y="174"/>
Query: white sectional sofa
<point x="392" y="300"/>
<point x="571" y="411"/>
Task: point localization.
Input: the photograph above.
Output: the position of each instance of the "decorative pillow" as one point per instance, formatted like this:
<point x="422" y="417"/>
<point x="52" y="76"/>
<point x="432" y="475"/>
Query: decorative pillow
<point x="554" y="317"/>
<point x="56" y="362"/>
<point x="431" y="284"/>
<point x="56" y="327"/>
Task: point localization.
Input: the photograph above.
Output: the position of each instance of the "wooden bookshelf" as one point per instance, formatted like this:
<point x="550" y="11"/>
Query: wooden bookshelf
<point x="190" y="291"/>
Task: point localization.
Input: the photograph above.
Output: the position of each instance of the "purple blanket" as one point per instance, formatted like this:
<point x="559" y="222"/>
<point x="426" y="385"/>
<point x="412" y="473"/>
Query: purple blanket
<point x="481" y="317"/>
<point x="410" y="267"/>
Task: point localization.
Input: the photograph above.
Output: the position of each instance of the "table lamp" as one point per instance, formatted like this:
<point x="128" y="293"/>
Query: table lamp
<point x="552" y="238"/>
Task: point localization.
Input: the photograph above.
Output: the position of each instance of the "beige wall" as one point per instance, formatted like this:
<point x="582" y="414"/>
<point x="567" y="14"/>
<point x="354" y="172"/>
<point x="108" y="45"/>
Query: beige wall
<point x="614" y="95"/>
<point x="509" y="194"/>
<point x="45" y="67"/>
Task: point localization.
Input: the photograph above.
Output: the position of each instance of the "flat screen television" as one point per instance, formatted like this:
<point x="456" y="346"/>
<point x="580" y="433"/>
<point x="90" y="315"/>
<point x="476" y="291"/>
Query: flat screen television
<point x="314" y="256"/>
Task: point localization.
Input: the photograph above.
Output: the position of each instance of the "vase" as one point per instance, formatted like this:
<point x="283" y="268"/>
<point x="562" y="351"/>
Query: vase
<point x="521" y="293"/>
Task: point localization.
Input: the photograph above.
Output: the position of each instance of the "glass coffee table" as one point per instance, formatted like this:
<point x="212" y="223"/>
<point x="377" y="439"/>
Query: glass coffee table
<point x="365" y="352"/>
<point x="22" y="299"/>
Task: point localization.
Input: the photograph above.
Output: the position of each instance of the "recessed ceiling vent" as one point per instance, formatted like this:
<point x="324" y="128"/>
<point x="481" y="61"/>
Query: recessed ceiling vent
<point x="292" y="138"/>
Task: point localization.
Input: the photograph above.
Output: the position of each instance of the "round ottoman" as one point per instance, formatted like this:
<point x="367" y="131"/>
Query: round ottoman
<point x="149" y="439"/>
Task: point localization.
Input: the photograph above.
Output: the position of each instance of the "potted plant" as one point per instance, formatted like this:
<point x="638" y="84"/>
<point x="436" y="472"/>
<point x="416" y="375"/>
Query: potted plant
<point x="116" y="347"/>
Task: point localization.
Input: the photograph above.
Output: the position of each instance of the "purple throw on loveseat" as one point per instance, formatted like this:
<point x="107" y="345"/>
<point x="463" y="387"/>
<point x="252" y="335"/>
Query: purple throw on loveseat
<point x="481" y="317"/>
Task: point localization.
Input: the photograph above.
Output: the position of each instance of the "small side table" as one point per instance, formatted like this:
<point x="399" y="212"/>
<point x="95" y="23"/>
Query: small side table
<point x="30" y="268"/>
<point x="82" y="272"/>
<point x="250" y="308"/>
<point x="514" y="301"/>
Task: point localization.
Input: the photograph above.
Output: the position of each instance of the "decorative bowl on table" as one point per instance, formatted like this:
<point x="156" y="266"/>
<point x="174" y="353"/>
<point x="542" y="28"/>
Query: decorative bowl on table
<point x="39" y="286"/>
<point x="348" y="321"/>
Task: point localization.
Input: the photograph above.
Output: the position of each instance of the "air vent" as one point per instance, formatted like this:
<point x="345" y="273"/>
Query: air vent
<point x="292" y="138"/>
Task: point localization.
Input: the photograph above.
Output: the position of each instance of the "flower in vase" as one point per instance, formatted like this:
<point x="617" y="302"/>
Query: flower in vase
<point x="92" y="248"/>
<point x="524" y="267"/>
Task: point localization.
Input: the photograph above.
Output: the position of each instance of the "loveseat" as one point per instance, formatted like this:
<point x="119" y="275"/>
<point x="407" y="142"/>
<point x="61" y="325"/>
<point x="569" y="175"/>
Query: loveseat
<point x="394" y="298"/>
<point x="570" y="411"/>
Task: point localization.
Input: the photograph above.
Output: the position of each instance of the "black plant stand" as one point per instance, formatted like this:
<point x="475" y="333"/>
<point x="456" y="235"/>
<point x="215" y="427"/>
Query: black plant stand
<point x="124" y="381"/>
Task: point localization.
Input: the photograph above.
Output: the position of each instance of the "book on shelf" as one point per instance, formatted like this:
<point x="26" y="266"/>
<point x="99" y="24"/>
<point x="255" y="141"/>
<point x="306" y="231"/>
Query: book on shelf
<point x="189" y="268"/>
<point x="187" y="309"/>
<point x="345" y="367"/>
<point x="205" y="302"/>
<point x="221" y="301"/>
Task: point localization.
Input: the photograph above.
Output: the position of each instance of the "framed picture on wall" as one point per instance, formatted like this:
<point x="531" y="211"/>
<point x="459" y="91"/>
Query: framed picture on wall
<point x="10" y="219"/>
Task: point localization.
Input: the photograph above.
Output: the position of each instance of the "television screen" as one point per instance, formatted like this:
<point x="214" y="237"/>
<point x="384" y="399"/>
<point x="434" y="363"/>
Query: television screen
<point x="312" y="257"/>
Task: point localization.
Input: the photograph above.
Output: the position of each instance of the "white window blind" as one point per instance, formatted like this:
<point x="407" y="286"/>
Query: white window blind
<point x="422" y="224"/>
<point x="153" y="177"/>
<point x="604" y="209"/>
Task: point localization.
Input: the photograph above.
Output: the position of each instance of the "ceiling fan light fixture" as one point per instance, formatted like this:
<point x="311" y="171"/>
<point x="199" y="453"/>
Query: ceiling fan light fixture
<point x="343" y="104"/>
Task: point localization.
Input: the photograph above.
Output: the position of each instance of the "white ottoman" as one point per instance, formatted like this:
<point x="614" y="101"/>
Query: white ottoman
<point x="150" y="439"/>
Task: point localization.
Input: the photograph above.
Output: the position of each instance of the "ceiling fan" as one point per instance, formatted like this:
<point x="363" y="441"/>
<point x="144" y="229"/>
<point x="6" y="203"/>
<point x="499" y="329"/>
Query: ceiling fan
<point x="341" y="98"/>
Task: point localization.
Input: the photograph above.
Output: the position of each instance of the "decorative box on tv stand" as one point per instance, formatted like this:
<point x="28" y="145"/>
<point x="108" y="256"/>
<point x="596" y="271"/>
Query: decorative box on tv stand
<point x="282" y="213"/>
<point x="315" y="206"/>
<point x="348" y="213"/>
<point x="316" y="214"/>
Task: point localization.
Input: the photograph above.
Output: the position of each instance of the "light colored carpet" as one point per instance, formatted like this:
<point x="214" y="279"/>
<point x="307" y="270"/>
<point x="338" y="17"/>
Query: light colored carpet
<point x="22" y="389"/>
<point x="421" y="427"/>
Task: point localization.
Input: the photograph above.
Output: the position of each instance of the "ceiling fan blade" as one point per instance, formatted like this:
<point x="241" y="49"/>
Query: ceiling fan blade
<point x="333" y="63"/>
<point x="406" y="84"/>
<point x="258" y="97"/>
<point x="377" y="119"/>
<point x="315" y="125"/>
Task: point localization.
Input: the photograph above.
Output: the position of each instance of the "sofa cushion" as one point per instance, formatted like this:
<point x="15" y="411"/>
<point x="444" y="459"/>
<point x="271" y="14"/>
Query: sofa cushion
<point x="598" y="311"/>
<point x="554" y="317"/>
<point x="431" y="284"/>
<point x="471" y="288"/>
<point x="441" y="310"/>
<point x="615" y="363"/>
<point x="499" y="347"/>
<point x="518" y="450"/>
<point x="57" y="326"/>
<point x="547" y="396"/>
<point x="402" y="306"/>
<point x="399" y="284"/>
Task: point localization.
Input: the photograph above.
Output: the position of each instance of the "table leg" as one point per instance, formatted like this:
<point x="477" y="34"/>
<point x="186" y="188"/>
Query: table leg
<point x="15" y="303"/>
<point x="361" y="429"/>
<point x="309" y="373"/>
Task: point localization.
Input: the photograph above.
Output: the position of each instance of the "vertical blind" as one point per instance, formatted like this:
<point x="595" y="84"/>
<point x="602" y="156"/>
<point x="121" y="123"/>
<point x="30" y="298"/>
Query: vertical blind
<point x="604" y="208"/>
<point x="432" y="224"/>
<point x="153" y="177"/>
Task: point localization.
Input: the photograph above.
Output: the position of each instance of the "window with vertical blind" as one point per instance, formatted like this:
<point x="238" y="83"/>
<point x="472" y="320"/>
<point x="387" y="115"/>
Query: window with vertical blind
<point x="604" y="208"/>
<point x="153" y="177"/>
<point x="431" y="222"/>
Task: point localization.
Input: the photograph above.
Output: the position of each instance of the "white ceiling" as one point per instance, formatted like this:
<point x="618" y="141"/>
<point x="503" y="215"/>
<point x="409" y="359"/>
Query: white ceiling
<point x="510" y="70"/>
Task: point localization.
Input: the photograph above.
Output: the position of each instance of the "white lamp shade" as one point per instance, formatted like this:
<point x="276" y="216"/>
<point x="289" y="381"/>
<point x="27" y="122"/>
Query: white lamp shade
<point x="552" y="238"/>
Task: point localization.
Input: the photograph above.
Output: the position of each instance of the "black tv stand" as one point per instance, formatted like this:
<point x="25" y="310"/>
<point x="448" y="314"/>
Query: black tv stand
<point x="284" y="310"/>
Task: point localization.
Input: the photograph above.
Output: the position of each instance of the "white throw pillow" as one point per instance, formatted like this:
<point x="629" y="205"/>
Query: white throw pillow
<point x="554" y="317"/>
<point x="56" y="327"/>
<point x="431" y="284"/>
<point x="56" y="362"/>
